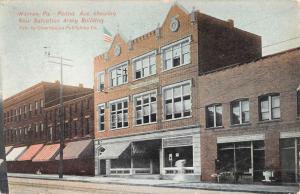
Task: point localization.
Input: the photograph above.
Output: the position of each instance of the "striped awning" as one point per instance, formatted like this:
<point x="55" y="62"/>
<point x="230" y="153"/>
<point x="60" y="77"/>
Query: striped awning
<point x="14" y="154"/>
<point x="77" y="149"/>
<point x="31" y="152"/>
<point x="47" y="153"/>
<point x="8" y="149"/>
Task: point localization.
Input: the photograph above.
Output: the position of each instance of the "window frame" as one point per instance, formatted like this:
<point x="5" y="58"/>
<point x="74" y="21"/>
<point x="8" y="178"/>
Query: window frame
<point x="99" y="74"/>
<point x="110" y="113"/>
<point x="141" y="58"/>
<point x="214" y="117"/>
<point x="134" y="97"/>
<point x="121" y="65"/>
<point x="99" y="114"/>
<point x="170" y="46"/>
<point x="270" y="107"/>
<point x="240" y="111"/>
<point x="164" y="104"/>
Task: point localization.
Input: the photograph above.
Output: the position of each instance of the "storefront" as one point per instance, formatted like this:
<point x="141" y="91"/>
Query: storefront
<point x="147" y="155"/>
<point x="290" y="158"/>
<point x="241" y="161"/>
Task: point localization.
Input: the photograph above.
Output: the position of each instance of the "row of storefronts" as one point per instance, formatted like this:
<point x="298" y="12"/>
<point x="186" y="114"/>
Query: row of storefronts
<point x="43" y="158"/>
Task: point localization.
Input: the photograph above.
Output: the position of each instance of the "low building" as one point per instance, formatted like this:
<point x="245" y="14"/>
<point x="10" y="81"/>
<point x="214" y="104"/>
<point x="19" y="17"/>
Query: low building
<point x="249" y="117"/>
<point x="32" y="128"/>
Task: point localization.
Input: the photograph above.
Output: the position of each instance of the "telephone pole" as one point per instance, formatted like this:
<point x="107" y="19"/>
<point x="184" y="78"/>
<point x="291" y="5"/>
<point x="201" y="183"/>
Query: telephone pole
<point x="3" y="168"/>
<point x="61" y="115"/>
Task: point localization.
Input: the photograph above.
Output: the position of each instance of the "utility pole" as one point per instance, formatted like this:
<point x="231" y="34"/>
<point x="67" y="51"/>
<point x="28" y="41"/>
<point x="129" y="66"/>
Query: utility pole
<point x="3" y="168"/>
<point x="61" y="116"/>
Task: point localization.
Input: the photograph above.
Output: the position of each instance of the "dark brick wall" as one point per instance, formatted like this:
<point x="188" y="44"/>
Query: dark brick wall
<point x="221" y="44"/>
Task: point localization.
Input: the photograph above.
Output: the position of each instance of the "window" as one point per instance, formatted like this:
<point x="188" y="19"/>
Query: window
<point x="145" y="108"/>
<point x="101" y="117"/>
<point x="176" y="54"/>
<point x="25" y="109"/>
<point x="240" y="112"/>
<point x="269" y="107"/>
<point x="214" y="116"/>
<point x="41" y="103"/>
<point x="177" y="101"/>
<point x="87" y="127"/>
<point x="298" y="102"/>
<point x="36" y="105"/>
<point x="100" y="81"/>
<point x="118" y="75"/>
<point x="119" y="114"/>
<point x="144" y="65"/>
<point x="30" y="107"/>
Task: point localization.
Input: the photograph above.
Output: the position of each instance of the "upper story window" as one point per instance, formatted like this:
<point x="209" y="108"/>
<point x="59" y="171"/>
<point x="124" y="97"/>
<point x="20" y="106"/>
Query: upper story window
<point x="36" y="105"/>
<point x="214" y="116"/>
<point x="30" y="107"/>
<point x="25" y="109"/>
<point x="298" y="101"/>
<point x="144" y="65"/>
<point x="240" y="112"/>
<point x="269" y="107"/>
<point x="145" y="108"/>
<point x="119" y="114"/>
<point x="176" y="54"/>
<point x="177" y="100"/>
<point x="41" y="103"/>
<point x="100" y="81"/>
<point x="101" y="117"/>
<point x="118" y="75"/>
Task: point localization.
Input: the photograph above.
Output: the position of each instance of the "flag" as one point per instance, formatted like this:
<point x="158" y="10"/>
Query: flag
<point x="107" y="35"/>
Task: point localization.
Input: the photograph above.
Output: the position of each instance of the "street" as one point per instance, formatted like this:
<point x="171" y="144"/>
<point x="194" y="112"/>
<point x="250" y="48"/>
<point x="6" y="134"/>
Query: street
<point x="39" y="186"/>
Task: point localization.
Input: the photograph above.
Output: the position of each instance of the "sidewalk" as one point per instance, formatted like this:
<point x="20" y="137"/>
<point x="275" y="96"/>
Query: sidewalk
<point x="167" y="183"/>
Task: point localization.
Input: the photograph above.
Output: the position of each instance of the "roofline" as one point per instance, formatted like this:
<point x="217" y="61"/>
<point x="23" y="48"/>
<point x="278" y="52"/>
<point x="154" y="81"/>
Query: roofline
<point x="67" y="101"/>
<point x="42" y="83"/>
<point x="253" y="61"/>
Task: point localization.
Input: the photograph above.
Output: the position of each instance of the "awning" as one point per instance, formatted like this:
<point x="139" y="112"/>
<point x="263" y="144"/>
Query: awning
<point x="30" y="152"/>
<point x="8" y="149"/>
<point x="112" y="151"/>
<point x="146" y="147"/>
<point x="15" y="153"/>
<point x="77" y="149"/>
<point x="47" y="153"/>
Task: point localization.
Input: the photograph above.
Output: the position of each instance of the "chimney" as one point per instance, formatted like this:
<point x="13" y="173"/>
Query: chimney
<point x="57" y="82"/>
<point x="230" y="23"/>
<point x="80" y="85"/>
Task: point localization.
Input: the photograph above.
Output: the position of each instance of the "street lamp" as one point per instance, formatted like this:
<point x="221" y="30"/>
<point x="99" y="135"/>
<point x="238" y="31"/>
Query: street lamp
<point x="61" y="102"/>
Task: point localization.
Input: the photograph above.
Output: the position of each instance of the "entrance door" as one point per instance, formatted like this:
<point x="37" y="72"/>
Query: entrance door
<point x="155" y="163"/>
<point x="102" y="165"/>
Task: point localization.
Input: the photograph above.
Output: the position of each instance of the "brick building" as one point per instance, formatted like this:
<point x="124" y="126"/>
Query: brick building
<point x="147" y="90"/>
<point x="249" y="118"/>
<point x="31" y="120"/>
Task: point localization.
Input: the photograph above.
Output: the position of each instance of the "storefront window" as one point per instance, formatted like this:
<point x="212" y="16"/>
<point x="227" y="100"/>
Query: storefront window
<point x="237" y="157"/>
<point x="289" y="154"/>
<point x="178" y="153"/>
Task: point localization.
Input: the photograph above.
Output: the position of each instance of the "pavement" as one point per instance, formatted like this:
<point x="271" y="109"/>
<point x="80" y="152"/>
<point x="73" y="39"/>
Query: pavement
<point x="253" y="188"/>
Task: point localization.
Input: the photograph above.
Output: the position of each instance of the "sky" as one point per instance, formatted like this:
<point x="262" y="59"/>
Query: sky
<point x="22" y="51"/>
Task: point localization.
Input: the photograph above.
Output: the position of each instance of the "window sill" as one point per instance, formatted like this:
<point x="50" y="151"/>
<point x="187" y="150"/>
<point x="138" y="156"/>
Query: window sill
<point x="209" y="128"/>
<point x="270" y="121"/>
<point x="145" y="124"/>
<point x="182" y="65"/>
<point x="118" y="128"/>
<point x="177" y="118"/>
<point x="148" y="76"/>
<point x="113" y="87"/>
<point x="240" y="125"/>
